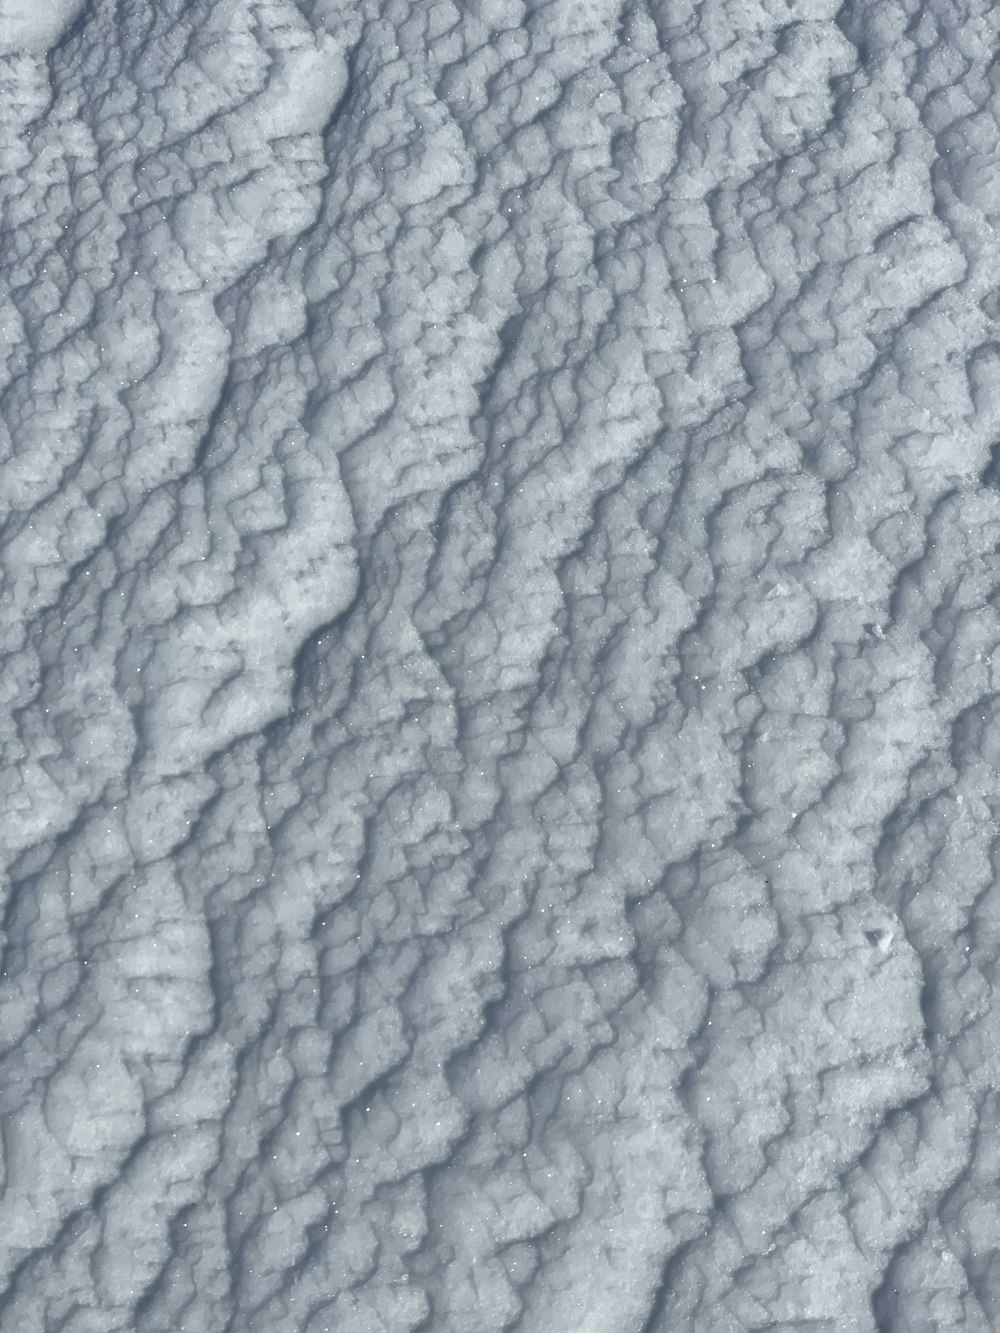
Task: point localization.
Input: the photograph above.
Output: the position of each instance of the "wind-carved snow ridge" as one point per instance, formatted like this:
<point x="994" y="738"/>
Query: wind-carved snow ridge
<point x="498" y="566"/>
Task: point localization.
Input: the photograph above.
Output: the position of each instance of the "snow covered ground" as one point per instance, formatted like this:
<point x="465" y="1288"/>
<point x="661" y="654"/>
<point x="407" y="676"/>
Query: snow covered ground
<point x="499" y="593"/>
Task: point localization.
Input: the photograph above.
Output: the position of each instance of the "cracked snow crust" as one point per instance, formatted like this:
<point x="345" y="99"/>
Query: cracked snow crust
<point x="499" y="526"/>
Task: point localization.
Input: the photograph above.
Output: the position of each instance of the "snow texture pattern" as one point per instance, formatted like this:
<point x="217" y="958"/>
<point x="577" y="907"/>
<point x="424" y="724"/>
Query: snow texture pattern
<point x="500" y="705"/>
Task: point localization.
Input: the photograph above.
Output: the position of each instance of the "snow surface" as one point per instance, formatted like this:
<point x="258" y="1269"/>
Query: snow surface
<point x="499" y="525"/>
